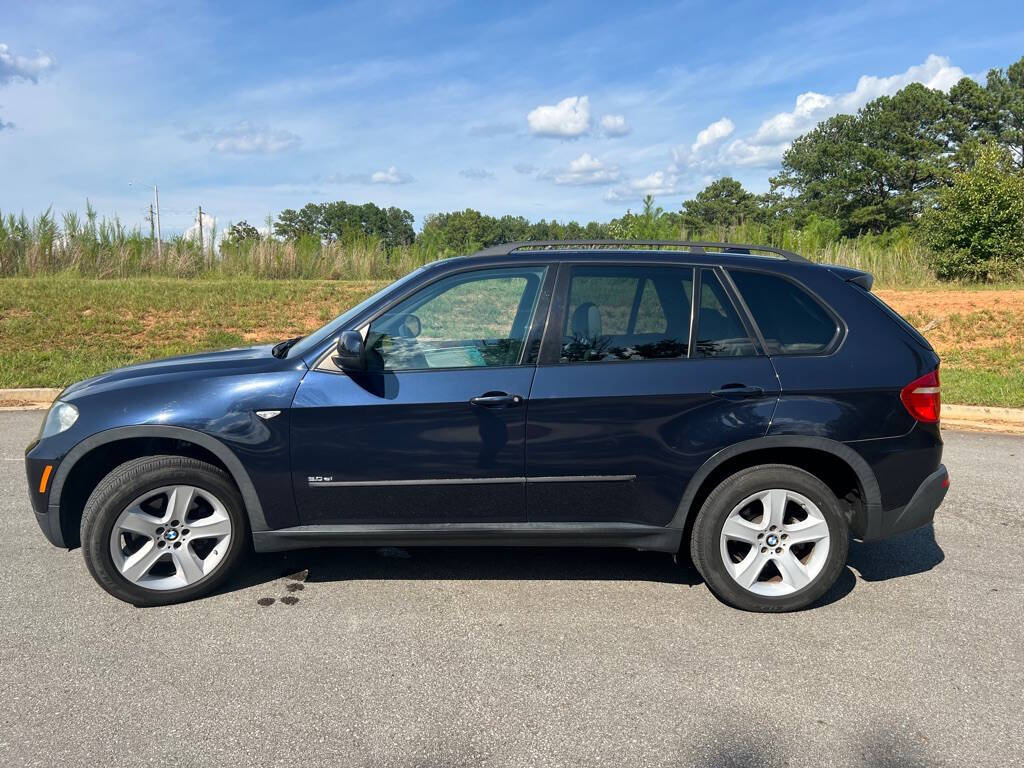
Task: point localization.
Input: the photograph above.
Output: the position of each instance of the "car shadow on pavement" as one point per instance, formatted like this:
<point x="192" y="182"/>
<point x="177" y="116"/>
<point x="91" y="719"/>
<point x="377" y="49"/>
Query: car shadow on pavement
<point x="877" y="746"/>
<point x="464" y="563"/>
<point x="913" y="552"/>
<point x="910" y="553"/>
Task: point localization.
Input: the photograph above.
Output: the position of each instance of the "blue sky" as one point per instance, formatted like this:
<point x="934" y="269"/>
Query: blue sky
<point x="567" y="110"/>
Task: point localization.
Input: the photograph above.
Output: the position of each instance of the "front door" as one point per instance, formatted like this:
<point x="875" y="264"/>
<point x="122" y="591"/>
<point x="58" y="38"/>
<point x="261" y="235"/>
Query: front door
<point x="434" y="431"/>
<point x="639" y="383"/>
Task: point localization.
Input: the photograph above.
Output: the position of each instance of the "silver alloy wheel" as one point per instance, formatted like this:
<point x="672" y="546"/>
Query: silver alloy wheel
<point x="780" y="527"/>
<point x="172" y="544"/>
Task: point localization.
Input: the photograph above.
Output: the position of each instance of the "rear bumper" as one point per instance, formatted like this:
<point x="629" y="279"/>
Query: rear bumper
<point x="920" y="510"/>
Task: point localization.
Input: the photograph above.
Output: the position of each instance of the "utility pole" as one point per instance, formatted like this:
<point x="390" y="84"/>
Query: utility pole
<point x="152" y="224"/>
<point x="159" y="236"/>
<point x="201" y="241"/>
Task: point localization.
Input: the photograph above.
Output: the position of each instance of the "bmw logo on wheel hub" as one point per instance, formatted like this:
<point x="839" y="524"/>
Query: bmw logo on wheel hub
<point x="772" y="540"/>
<point x="171" y="535"/>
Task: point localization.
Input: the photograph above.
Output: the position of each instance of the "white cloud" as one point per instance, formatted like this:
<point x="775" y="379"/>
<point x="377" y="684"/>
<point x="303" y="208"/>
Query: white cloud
<point x="391" y="176"/>
<point x="209" y="230"/>
<point x="811" y="108"/>
<point x="583" y="171"/>
<point x="476" y="173"/>
<point x="569" y="118"/>
<point x="618" y="194"/>
<point x="936" y="72"/>
<point x="714" y="133"/>
<point x="764" y="149"/>
<point x="615" y="125"/>
<point x="657" y="183"/>
<point x="788" y="125"/>
<point x="748" y="154"/>
<point x="26" y="68"/>
<point x="246" y="138"/>
<point x="23" y="67"/>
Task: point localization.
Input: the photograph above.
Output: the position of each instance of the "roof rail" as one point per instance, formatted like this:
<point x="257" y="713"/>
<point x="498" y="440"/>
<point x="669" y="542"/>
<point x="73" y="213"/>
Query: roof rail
<point x="505" y="249"/>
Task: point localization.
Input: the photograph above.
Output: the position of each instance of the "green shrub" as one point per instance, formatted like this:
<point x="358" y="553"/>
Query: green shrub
<point x="976" y="231"/>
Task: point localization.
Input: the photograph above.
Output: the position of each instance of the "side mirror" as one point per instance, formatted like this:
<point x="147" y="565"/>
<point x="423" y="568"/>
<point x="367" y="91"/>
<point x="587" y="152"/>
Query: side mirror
<point x="351" y="352"/>
<point x="410" y="327"/>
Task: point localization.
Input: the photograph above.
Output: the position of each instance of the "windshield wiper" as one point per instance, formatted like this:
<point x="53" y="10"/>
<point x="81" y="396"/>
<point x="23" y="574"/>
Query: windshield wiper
<point x="281" y="349"/>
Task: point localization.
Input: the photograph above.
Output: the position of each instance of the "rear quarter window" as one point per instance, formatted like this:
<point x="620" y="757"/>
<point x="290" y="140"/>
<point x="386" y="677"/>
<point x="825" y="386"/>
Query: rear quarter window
<point x="791" y="320"/>
<point x="897" y="318"/>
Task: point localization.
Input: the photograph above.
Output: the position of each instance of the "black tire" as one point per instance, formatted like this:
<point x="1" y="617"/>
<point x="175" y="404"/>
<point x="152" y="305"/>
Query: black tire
<point x="706" y="551"/>
<point x="126" y="483"/>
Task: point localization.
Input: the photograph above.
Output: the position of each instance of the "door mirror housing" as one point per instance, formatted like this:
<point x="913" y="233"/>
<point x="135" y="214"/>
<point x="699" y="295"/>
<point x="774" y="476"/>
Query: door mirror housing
<point x="409" y="327"/>
<point x="351" y="352"/>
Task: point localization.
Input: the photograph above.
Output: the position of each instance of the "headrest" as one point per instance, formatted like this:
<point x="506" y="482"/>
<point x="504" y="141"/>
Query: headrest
<point x="586" y="321"/>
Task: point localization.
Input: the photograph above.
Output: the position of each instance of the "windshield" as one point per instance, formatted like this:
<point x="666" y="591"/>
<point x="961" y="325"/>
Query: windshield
<point x="318" y="337"/>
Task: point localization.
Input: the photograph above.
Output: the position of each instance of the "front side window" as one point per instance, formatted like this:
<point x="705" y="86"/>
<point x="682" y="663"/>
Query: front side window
<point x="791" y="321"/>
<point x="720" y="332"/>
<point x="618" y="313"/>
<point x="467" y="320"/>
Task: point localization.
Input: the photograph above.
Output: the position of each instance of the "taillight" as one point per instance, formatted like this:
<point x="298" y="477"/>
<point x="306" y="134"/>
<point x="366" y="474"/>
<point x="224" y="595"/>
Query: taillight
<point x="921" y="397"/>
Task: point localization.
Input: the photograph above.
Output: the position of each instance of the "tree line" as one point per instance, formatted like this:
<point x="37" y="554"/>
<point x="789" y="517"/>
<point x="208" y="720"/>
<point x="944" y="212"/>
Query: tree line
<point x="947" y="167"/>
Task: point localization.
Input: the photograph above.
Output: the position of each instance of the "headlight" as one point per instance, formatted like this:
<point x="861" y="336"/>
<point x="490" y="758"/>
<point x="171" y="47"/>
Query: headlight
<point x="60" y="418"/>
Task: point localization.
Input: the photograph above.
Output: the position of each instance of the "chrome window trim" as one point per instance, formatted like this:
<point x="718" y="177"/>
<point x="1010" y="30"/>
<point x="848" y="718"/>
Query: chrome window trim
<point x="472" y="481"/>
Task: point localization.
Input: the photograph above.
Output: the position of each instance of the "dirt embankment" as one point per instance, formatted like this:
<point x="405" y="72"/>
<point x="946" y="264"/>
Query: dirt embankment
<point x="962" y="320"/>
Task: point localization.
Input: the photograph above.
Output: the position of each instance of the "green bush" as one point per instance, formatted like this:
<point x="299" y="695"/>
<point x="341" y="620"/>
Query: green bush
<point x="976" y="231"/>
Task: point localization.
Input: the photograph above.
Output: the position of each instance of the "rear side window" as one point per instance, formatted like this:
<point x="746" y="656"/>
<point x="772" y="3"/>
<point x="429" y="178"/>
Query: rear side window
<point x="619" y="313"/>
<point x="720" y="332"/>
<point x="791" y="320"/>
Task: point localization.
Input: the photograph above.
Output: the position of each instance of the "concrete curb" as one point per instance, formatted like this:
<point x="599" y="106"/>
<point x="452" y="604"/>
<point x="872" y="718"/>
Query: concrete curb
<point x="954" y="416"/>
<point x="27" y="399"/>
<point x="984" y="418"/>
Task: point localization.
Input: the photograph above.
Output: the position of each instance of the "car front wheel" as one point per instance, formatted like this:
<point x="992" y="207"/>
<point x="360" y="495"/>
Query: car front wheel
<point x="770" y="538"/>
<point x="163" y="529"/>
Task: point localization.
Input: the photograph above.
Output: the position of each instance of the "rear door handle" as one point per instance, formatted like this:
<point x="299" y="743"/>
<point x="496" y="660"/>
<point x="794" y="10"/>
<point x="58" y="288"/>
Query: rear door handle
<point x="737" y="392"/>
<point x="496" y="400"/>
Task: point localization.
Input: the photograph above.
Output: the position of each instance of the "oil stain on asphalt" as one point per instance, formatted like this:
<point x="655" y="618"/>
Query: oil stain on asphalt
<point x="296" y="583"/>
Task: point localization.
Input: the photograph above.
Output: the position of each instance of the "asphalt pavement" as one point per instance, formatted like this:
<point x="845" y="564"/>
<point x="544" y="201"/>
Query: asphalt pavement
<point x="505" y="657"/>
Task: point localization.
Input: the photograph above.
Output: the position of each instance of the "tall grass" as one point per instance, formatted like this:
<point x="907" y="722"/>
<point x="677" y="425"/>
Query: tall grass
<point x="363" y="258"/>
<point x="105" y="248"/>
<point x="895" y="259"/>
<point x="91" y="246"/>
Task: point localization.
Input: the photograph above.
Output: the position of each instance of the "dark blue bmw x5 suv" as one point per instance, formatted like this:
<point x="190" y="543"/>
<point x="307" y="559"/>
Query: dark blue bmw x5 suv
<point x="734" y="401"/>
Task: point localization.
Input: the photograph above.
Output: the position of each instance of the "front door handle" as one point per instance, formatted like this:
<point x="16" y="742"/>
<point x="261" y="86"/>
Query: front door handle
<point x="737" y="392"/>
<point x="496" y="400"/>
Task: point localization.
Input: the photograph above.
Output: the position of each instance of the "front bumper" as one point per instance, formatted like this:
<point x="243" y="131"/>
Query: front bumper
<point x="48" y="518"/>
<point x="920" y="510"/>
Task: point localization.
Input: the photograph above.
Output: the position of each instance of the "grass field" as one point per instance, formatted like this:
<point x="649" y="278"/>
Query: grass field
<point x="56" y="330"/>
<point x="979" y="334"/>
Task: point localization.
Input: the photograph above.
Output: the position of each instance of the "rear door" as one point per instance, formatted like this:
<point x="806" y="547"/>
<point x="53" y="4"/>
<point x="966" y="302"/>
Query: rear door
<point x="645" y="372"/>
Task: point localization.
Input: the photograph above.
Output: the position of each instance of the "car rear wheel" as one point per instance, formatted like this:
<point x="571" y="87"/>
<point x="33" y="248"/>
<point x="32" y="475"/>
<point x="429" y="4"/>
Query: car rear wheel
<point x="770" y="538"/>
<point x="163" y="529"/>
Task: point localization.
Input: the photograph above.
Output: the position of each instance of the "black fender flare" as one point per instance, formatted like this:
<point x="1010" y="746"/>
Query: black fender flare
<point x="866" y="477"/>
<point x="254" y="509"/>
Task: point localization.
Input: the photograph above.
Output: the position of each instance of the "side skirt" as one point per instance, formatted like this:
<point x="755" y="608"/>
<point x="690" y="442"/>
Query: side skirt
<point x="631" y="535"/>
